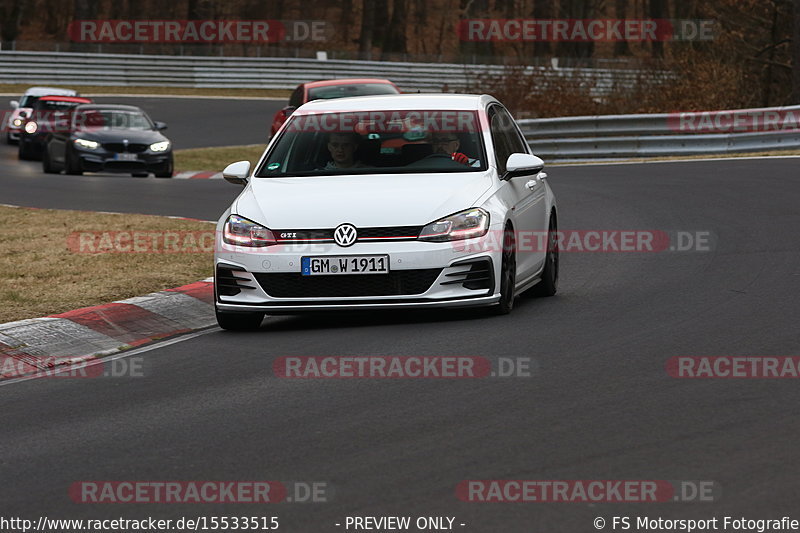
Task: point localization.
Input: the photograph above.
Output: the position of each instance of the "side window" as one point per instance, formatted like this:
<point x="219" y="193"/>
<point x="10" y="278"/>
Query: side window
<point x="516" y="140"/>
<point x="500" y="139"/>
<point x="296" y="100"/>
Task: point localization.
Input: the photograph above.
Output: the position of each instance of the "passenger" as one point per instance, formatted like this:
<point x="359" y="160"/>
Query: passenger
<point x="342" y="147"/>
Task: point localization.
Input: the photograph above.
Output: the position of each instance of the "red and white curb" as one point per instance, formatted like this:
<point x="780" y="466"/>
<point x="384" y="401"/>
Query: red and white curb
<point x="197" y="175"/>
<point x="39" y="344"/>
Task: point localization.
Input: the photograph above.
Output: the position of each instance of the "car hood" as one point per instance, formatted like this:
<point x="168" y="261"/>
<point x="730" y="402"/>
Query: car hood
<point x="133" y="136"/>
<point x="364" y="200"/>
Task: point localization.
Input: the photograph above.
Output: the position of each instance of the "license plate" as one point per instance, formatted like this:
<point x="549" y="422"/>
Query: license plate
<point x="127" y="157"/>
<point x="331" y="265"/>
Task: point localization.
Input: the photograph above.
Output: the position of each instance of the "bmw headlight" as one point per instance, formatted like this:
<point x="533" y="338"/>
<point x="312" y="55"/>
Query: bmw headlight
<point x="242" y="232"/>
<point x="162" y="146"/>
<point x="86" y="144"/>
<point x="467" y="224"/>
<point x="31" y="127"/>
<point x="17" y="122"/>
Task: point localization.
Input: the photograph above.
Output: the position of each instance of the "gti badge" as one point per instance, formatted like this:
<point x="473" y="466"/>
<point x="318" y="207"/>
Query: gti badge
<point x="345" y="235"/>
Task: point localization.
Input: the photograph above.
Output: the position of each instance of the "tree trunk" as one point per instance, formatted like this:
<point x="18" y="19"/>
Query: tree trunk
<point x="396" y="38"/>
<point x="367" y="26"/>
<point x="658" y="10"/>
<point x="621" y="48"/>
<point x="795" y="98"/>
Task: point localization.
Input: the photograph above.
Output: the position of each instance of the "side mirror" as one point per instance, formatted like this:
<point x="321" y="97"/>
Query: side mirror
<point x="237" y="173"/>
<point x="14" y="104"/>
<point x="522" y="165"/>
<point x="160" y="126"/>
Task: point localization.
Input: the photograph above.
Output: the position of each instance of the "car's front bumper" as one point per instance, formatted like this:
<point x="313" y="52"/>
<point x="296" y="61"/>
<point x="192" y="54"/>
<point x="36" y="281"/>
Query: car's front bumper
<point x="422" y="275"/>
<point x="102" y="161"/>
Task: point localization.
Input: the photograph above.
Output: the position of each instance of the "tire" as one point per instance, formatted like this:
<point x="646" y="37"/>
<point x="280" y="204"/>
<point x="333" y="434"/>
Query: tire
<point x="238" y="321"/>
<point x="167" y="173"/>
<point x="508" y="274"/>
<point x="548" y="286"/>
<point x="47" y="164"/>
<point x="71" y="166"/>
<point x="25" y="152"/>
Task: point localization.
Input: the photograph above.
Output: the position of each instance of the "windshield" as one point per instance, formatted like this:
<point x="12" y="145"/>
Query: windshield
<point x="356" y="89"/>
<point x="112" y="119"/>
<point x="371" y="142"/>
<point x="28" y="100"/>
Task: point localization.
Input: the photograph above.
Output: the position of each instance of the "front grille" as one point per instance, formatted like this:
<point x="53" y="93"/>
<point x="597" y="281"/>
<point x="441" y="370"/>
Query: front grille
<point x="397" y="233"/>
<point x="133" y="148"/>
<point x="228" y="283"/>
<point x="395" y="283"/>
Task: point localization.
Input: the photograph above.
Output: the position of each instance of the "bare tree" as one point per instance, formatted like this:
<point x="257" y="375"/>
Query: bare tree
<point x="367" y="28"/>
<point x="795" y="97"/>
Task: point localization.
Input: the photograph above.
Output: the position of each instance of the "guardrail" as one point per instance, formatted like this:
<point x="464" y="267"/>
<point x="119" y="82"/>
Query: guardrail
<point x="664" y="134"/>
<point x="70" y="68"/>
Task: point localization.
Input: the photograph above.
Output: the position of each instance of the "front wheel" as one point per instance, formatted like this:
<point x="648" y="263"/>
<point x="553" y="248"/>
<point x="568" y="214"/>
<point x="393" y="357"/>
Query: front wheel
<point x="549" y="284"/>
<point x="71" y="164"/>
<point x="508" y="274"/>
<point x="238" y="321"/>
<point x="25" y="152"/>
<point x="47" y="163"/>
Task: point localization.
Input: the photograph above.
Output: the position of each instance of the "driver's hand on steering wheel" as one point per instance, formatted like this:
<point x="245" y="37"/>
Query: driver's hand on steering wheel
<point x="458" y="157"/>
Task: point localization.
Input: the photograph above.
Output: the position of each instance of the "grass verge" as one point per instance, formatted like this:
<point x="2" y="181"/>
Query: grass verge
<point x="41" y="274"/>
<point x="215" y="159"/>
<point x="89" y="90"/>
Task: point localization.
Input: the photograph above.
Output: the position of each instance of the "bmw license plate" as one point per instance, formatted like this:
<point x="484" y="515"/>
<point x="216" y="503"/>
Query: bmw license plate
<point x="126" y="157"/>
<point x="330" y="265"/>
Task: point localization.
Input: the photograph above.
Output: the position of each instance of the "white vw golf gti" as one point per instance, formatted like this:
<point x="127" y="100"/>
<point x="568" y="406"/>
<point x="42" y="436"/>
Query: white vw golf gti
<point x="378" y="202"/>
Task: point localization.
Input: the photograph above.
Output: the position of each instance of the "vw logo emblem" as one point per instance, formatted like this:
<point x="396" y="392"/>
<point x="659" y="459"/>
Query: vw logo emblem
<point x="345" y="235"/>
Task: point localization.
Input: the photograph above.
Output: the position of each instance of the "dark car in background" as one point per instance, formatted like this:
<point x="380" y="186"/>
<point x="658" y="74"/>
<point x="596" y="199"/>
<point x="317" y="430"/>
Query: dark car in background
<point x="327" y="89"/>
<point x="109" y="138"/>
<point x="47" y="113"/>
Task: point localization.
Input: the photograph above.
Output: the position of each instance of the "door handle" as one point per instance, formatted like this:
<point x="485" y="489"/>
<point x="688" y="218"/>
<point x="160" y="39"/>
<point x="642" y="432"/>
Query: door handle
<point x="532" y="184"/>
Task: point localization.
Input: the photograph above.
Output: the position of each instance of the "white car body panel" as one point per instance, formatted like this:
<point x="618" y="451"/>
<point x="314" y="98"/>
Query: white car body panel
<point x="385" y="200"/>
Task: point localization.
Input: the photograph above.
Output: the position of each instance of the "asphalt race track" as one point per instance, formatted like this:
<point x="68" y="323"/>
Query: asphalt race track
<point x="600" y="404"/>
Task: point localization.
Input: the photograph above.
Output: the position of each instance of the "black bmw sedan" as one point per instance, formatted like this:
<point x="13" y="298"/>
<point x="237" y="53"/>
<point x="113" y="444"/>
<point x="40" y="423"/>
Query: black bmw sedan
<point x="109" y="138"/>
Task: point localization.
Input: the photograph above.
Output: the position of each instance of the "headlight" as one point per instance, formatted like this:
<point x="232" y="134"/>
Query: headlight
<point x="31" y="127"/>
<point x="162" y="146"/>
<point x="243" y="232"/>
<point x="17" y="122"/>
<point x="86" y="144"/>
<point x="464" y="225"/>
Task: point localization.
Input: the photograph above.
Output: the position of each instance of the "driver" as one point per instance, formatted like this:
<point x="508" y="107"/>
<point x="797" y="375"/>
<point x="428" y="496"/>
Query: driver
<point x="342" y="147"/>
<point x="447" y="143"/>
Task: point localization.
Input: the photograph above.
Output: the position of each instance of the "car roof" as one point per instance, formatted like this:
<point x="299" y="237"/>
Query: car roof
<point x="75" y="99"/>
<point x="46" y="91"/>
<point x="346" y="81"/>
<point x="108" y="107"/>
<point x="392" y="102"/>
